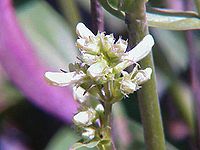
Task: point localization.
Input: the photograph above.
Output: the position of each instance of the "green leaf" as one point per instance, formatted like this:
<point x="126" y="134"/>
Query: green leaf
<point x="48" y="32"/>
<point x="62" y="140"/>
<point x="173" y="20"/>
<point x="159" y="18"/>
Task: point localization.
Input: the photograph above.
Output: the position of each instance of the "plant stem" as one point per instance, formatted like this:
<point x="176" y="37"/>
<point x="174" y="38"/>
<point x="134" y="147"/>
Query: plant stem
<point x="107" y="125"/>
<point x="197" y="3"/>
<point x="98" y="25"/>
<point x="71" y="13"/>
<point x="194" y="72"/>
<point x="147" y="96"/>
<point x="97" y="16"/>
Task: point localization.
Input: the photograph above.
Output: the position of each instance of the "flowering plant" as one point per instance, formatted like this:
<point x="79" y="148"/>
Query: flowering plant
<point x="100" y="79"/>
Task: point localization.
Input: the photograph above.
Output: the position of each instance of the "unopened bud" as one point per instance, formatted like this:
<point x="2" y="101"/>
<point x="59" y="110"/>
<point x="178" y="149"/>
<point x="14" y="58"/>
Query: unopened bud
<point x="85" y="118"/>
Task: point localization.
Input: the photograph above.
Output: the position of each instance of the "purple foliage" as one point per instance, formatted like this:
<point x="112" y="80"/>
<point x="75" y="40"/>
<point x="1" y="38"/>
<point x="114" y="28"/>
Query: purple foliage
<point x="26" y="71"/>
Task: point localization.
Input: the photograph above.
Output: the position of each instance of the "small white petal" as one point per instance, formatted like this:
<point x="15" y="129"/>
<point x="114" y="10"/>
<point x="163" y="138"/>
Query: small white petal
<point x="122" y="65"/>
<point x="97" y="69"/>
<point x="99" y="108"/>
<point x="141" y="50"/>
<point x="80" y="43"/>
<point x="85" y="118"/>
<point x="82" y="118"/>
<point x="80" y="95"/>
<point x="88" y="47"/>
<point x="121" y="45"/>
<point x="89" y="59"/>
<point x="63" y="79"/>
<point x="143" y="75"/>
<point x="83" y="31"/>
<point x="127" y="86"/>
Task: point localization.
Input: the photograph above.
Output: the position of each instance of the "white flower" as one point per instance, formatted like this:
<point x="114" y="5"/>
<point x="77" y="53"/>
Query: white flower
<point x="142" y="76"/>
<point x="80" y="95"/>
<point x="89" y="59"/>
<point x="136" y="54"/>
<point x="63" y="79"/>
<point x="97" y="69"/>
<point x="85" y="118"/>
<point x="121" y="45"/>
<point x="99" y="108"/>
<point x="88" y="47"/>
<point x="141" y="50"/>
<point x="89" y="133"/>
<point x="83" y="31"/>
<point x="127" y="86"/>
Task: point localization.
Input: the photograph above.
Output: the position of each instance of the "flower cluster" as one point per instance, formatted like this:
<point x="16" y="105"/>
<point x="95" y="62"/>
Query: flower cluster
<point x="104" y="60"/>
<point x="101" y="74"/>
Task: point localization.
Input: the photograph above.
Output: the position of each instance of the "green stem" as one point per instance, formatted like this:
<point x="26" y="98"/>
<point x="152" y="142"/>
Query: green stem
<point x="147" y="96"/>
<point x="106" y="126"/>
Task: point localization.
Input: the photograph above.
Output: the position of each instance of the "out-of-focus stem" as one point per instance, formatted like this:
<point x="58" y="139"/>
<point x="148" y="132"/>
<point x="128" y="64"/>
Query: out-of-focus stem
<point x="97" y="16"/>
<point x="71" y="12"/>
<point x="194" y="71"/>
<point x="148" y="98"/>
<point x="197" y="3"/>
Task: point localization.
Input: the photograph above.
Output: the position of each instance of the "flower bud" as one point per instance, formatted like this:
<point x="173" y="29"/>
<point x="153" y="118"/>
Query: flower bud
<point x="142" y="76"/>
<point x="127" y="87"/>
<point x="85" y="118"/>
<point x="88" y="134"/>
<point x="99" y="108"/>
<point x="80" y="95"/>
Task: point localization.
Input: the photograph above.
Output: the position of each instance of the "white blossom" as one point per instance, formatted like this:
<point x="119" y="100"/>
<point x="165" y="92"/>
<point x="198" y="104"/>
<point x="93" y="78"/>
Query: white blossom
<point x="85" y="118"/>
<point x="141" y="50"/>
<point x="99" y="108"/>
<point x="97" y="69"/>
<point x="63" y="79"/>
<point x="80" y="95"/>
<point x="83" y="31"/>
<point x="142" y="76"/>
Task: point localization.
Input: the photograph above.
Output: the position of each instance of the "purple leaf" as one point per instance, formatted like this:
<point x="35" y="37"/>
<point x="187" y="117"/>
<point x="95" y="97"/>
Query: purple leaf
<point x="26" y="71"/>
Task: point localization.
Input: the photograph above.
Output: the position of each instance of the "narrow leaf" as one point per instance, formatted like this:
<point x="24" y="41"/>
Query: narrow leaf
<point x="160" y="18"/>
<point x="173" y="20"/>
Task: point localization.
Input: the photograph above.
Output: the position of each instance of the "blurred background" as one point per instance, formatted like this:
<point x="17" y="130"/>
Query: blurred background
<point x="39" y="35"/>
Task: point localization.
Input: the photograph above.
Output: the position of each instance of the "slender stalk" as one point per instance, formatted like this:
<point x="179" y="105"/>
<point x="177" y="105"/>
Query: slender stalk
<point x="197" y="3"/>
<point x="97" y="16"/>
<point x="194" y="71"/>
<point x="107" y="125"/>
<point x="98" y="25"/>
<point x="71" y="13"/>
<point x="147" y="96"/>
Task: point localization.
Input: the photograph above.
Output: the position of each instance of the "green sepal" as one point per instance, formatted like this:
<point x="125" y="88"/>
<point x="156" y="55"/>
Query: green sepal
<point x="80" y="144"/>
